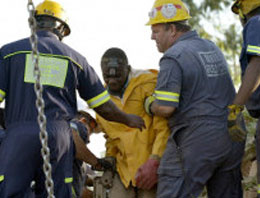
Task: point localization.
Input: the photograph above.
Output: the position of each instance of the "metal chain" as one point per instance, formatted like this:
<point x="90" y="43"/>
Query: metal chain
<point x="45" y="151"/>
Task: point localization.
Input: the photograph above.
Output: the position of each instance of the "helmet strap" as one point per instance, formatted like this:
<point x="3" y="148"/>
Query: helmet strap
<point x="58" y="33"/>
<point x="243" y="17"/>
<point x="241" y="14"/>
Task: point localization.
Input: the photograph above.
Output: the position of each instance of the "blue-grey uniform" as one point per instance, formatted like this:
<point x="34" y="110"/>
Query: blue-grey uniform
<point x="78" y="177"/>
<point x="2" y="135"/>
<point x="194" y="79"/>
<point x="251" y="47"/>
<point x="63" y="71"/>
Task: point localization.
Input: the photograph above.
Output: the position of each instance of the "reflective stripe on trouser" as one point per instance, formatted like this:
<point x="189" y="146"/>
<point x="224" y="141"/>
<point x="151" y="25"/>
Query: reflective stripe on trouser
<point x="192" y="161"/>
<point x="22" y="146"/>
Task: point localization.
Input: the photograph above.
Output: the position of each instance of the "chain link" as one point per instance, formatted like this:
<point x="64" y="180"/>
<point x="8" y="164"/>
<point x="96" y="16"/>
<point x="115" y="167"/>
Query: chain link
<point x="38" y="88"/>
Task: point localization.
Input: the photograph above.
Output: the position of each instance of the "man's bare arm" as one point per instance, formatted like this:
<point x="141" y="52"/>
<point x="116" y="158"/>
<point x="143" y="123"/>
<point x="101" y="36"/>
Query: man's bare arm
<point x="111" y="112"/>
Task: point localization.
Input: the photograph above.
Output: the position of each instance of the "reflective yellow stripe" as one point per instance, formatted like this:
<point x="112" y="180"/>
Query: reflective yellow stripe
<point x="2" y="95"/>
<point x="2" y="177"/>
<point x="73" y="192"/>
<point x="254" y="49"/>
<point x="167" y="96"/>
<point x="18" y="52"/>
<point x="42" y="54"/>
<point x="68" y="180"/>
<point x="98" y="100"/>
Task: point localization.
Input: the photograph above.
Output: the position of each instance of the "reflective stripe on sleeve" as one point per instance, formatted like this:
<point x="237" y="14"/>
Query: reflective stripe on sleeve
<point x="2" y="177"/>
<point x="68" y="180"/>
<point x="73" y="192"/>
<point x="2" y="95"/>
<point x="98" y="100"/>
<point x="253" y="49"/>
<point x="167" y="96"/>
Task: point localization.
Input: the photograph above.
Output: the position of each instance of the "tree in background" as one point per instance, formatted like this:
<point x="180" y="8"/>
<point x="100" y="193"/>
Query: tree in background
<point x="207" y="19"/>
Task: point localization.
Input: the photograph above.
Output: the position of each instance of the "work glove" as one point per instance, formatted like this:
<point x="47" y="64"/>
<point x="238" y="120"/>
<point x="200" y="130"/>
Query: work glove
<point x="102" y="165"/>
<point x="146" y="176"/>
<point x="147" y="104"/>
<point x="235" y="123"/>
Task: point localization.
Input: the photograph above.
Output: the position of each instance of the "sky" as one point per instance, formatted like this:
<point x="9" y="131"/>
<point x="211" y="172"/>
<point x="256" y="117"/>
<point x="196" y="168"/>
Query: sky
<point x="96" y="25"/>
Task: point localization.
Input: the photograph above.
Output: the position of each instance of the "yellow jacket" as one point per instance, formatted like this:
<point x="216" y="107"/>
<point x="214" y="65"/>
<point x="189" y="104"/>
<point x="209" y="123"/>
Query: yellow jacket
<point x="130" y="146"/>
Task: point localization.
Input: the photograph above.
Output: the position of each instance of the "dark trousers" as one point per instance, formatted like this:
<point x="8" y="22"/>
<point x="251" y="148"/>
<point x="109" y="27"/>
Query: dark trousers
<point x="21" y="160"/>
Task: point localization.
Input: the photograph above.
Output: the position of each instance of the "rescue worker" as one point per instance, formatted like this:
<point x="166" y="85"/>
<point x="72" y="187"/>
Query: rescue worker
<point x="63" y="71"/>
<point x="137" y="155"/>
<point x="83" y="125"/>
<point x="249" y="91"/>
<point x="193" y="91"/>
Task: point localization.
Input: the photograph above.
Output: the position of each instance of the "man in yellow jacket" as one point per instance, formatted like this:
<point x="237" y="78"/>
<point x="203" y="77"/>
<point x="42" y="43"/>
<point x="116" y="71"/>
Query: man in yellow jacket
<point x="137" y="153"/>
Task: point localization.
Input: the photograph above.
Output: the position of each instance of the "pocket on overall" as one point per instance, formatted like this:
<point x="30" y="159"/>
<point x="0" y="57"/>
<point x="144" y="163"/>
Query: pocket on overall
<point x="171" y="162"/>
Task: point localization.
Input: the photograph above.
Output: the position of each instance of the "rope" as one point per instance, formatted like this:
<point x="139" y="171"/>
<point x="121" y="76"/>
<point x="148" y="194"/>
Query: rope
<point x="38" y="88"/>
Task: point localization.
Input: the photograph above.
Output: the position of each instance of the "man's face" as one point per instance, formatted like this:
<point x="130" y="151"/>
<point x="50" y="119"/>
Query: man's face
<point x="115" y="77"/>
<point x="162" y="37"/>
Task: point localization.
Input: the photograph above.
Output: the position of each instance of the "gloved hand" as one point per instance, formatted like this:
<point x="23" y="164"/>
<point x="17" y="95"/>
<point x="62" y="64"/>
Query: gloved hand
<point x="102" y="165"/>
<point x="235" y="123"/>
<point x="147" y="104"/>
<point x="146" y="176"/>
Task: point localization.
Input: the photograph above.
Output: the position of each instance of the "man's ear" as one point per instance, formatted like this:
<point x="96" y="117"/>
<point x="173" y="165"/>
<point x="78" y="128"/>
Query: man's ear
<point x="173" y="30"/>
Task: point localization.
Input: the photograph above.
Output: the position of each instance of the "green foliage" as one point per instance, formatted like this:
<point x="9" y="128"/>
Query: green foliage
<point x="231" y="47"/>
<point x="205" y="9"/>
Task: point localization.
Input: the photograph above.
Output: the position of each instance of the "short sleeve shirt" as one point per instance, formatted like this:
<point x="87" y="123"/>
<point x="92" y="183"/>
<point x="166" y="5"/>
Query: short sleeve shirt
<point x="251" y="47"/>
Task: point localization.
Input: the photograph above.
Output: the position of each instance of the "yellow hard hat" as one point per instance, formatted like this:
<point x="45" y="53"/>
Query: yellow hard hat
<point x="245" y="6"/>
<point x="55" y="10"/>
<point x="165" y="11"/>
